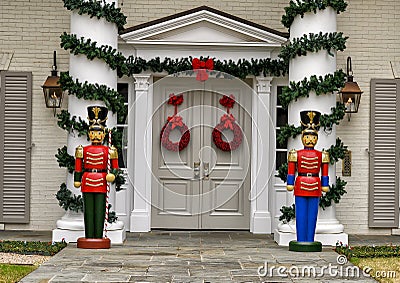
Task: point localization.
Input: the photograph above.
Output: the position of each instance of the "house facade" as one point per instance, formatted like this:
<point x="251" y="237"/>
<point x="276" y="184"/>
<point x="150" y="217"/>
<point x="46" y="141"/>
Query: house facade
<point x="227" y="30"/>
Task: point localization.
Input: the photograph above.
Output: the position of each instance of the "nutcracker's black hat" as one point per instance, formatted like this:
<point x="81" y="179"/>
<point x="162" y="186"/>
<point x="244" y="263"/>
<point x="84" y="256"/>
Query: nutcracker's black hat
<point x="310" y="122"/>
<point x="97" y="116"/>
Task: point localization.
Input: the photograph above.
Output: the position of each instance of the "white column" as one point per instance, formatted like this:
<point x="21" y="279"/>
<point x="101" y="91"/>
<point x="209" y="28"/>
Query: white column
<point x="71" y="226"/>
<point x="319" y="63"/>
<point x="141" y="213"/>
<point x="261" y="172"/>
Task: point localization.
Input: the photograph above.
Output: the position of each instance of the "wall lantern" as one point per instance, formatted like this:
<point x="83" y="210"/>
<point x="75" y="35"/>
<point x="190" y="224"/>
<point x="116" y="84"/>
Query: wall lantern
<point x="53" y="94"/>
<point x="350" y="95"/>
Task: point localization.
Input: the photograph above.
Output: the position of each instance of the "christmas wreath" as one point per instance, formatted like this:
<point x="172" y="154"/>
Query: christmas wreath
<point x="227" y="123"/>
<point x="175" y="122"/>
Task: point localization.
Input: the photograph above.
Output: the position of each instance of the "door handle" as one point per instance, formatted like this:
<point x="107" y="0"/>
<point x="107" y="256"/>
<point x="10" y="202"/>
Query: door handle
<point x="196" y="170"/>
<point x="206" y="167"/>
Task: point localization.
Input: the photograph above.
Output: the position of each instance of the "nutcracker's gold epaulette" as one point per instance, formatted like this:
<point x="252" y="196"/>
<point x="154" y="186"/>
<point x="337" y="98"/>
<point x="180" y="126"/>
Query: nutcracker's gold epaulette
<point x="292" y="155"/>
<point x="325" y="157"/>
<point x="113" y="152"/>
<point x="79" y="151"/>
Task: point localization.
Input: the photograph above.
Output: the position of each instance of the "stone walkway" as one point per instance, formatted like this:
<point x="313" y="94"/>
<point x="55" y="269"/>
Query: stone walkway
<point x="194" y="257"/>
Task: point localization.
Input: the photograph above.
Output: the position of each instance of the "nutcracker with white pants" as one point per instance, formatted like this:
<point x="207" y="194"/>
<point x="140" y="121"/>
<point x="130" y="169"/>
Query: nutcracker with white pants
<point x="312" y="179"/>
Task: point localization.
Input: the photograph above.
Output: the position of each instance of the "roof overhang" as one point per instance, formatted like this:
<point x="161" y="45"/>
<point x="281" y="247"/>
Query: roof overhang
<point x="203" y="26"/>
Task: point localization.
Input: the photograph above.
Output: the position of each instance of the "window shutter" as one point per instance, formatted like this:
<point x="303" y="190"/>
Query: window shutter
<point x="15" y="143"/>
<point x="384" y="161"/>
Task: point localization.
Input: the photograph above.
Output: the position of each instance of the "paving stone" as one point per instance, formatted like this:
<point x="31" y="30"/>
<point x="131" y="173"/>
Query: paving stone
<point x="69" y="277"/>
<point x="246" y="279"/>
<point x="244" y="272"/>
<point x="186" y="279"/>
<point x="168" y="270"/>
<point x="164" y="256"/>
<point x="143" y="279"/>
<point x="106" y="277"/>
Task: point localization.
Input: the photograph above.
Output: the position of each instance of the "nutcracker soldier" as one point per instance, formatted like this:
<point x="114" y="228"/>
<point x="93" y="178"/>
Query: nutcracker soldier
<point x="92" y="176"/>
<point x="307" y="186"/>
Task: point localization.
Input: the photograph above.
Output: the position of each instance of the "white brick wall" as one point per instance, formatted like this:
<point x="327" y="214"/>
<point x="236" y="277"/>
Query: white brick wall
<point x="374" y="39"/>
<point x="32" y="29"/>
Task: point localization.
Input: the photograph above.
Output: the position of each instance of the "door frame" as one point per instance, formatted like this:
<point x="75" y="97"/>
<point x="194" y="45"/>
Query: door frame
<point x="261" y="158"/>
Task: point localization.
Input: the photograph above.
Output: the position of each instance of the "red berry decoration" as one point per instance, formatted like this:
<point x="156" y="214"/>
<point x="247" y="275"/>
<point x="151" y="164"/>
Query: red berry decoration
<point x="227" y="123"/>
<point x="175" y="122"/>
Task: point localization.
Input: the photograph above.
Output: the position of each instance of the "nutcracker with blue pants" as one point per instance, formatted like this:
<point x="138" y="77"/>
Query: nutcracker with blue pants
<point x="91" y="174"/>
<point x="308" y="185"/>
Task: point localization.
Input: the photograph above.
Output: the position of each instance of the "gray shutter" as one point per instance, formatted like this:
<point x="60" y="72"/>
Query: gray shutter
<point x="384" y="157"/>
<point x="15" y="142"/>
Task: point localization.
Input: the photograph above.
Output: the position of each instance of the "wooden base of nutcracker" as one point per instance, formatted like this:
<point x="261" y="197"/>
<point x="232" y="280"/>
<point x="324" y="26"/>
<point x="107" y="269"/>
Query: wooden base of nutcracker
<point x="295" y="246"/>
<point x="90" y="243"/>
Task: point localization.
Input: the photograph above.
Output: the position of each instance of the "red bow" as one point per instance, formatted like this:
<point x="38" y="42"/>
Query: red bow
<point x="228" y="121"/>
<point x="201" y="67"/>
<point x="176" y="121"/>
<point x="175" y="99"/>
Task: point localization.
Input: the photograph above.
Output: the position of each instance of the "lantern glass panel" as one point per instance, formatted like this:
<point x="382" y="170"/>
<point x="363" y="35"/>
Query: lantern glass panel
<point x="53" y="97"/>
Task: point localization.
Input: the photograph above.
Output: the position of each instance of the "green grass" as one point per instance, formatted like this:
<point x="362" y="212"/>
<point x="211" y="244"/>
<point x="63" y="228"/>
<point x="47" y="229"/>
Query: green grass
<point x="10" y="273"/>
<point x="381" y="262"/>
<point x="13" y="273"/>
<point x="382" y="269"/>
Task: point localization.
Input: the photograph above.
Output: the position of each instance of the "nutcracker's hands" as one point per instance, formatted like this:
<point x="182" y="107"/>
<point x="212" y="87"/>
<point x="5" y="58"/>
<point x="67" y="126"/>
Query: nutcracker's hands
<point x="77" y="184"/>
<point x="110" y="177"/>
<point x="289" y="188"/>
<point x="325" y="189"/>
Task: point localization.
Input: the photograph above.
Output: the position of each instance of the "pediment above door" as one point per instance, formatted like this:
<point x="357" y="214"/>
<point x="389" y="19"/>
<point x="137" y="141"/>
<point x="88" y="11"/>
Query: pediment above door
<point x="203" y="26"/>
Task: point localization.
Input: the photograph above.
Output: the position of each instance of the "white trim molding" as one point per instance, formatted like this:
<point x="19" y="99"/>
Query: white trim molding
<point x="261" y="173"/>
<point x="141" y="214"/>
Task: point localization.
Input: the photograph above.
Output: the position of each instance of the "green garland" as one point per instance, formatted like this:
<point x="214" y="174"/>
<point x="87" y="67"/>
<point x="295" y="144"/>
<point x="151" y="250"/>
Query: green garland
<point x="64" y="159"/>
<point x="288" y="213"/>
<point x="335" y="193"/>
<point x="283" y="172"/>
<point x="113" y="100"/>
<point x="337" y="151"/>
<point x="65" y="122"/>
<point x="241" y="68"/>
<point x="314" y="43"/>
<point x="327" y="121"/>
<point x="69" y="201"/>
<point x="320" y="85"/>
<point x="301" y="7"/>
<point x="114" y="59"/>
<point x="98" y="9"/>
<point x="135" y="65"/>
<point x="287" y="131"/>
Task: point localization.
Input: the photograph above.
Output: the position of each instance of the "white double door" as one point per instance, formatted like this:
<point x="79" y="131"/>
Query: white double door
<point x="201" y="187"/>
